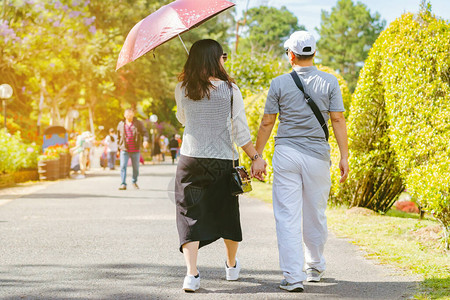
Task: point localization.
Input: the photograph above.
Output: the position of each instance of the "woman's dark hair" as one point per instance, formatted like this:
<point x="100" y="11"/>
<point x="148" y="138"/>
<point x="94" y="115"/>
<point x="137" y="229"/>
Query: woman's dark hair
<point x="202" y="64"/>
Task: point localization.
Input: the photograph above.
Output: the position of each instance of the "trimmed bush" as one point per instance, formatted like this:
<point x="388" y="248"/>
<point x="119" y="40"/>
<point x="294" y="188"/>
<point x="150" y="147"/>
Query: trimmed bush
<point x="399" y="124"/>
<point x="374" y="181"/>
<point x="416" y="80"/>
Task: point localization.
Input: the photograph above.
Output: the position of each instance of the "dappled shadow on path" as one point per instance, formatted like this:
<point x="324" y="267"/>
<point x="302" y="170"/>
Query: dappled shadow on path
<point x="155" y="281"/>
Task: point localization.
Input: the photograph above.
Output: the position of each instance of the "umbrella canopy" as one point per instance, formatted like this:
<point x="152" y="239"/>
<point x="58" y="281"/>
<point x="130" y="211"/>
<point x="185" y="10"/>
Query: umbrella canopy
<point x="165" y="24"/>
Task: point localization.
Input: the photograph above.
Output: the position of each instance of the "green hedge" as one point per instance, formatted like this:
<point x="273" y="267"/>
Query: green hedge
<point x="416" y="70"/>
<point x="399" y="124"/>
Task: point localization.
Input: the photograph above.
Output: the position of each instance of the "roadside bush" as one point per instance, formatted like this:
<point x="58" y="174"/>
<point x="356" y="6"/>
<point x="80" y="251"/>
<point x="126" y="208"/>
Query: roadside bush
<point x="399" y="124"/>
<point x="15" y="155"/>
<point x="416" y="76"/>
<point x="374" y="181"/>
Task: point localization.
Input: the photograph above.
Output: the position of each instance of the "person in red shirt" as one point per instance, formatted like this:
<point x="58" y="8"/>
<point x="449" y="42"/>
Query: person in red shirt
<point x="130" y="134"/>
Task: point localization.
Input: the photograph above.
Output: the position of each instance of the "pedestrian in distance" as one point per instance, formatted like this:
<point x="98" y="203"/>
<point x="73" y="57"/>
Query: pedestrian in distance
<point x="173" y="146"/>
<point x="82" y="150"/>
<point x="111" y="148"/>
<point x="156" y="153"/>
<point x="301" y="161"/>
<point x="205" y="208"/>
<point x="131" y="134"/>
<point x="164" y="143"/>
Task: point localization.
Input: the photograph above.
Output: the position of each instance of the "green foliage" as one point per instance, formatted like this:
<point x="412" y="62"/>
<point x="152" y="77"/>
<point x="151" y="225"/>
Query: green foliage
<point x="267" y="27"/>
<point x="346" y="35"/>
<point x="399" y="123"/>
<point x="253" y="74"/>
<point x="374" y="181"/>
<point x="416" y="71"/>
<point x="15" y="155"/>
<point x="60" y="55"/>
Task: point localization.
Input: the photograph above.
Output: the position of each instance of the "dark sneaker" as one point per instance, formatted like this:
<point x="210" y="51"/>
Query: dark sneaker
<point x="136" y="186"/>
<point x="122" y="187"/>
<point x="313" y="275"/>
<point x="296" y="287"/>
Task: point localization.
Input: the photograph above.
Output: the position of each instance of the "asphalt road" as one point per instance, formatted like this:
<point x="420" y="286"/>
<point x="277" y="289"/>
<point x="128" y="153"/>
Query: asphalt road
<point x="85" y="239"/>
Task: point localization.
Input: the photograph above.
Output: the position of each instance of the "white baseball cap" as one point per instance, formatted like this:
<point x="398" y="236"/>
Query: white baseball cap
<point x="301" y="43"/>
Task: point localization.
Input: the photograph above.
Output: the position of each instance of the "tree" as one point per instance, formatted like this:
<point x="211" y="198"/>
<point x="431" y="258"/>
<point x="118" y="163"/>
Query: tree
<point x="346" y="36"/>
<point x="267" y="27"/>
<point x="61" y="55"/>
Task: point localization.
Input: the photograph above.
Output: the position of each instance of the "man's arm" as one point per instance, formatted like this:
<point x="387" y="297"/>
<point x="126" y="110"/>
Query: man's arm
<point x="265" y="129"/>
<point x="340" y="132"/>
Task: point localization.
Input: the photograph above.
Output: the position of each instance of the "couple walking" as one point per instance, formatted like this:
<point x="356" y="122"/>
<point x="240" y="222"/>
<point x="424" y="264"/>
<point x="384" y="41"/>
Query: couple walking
<point x="207" y="99"/>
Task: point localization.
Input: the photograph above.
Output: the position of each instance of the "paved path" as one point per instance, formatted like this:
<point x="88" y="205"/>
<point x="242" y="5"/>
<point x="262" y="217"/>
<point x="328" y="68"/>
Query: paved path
<point x="84" y="239"/>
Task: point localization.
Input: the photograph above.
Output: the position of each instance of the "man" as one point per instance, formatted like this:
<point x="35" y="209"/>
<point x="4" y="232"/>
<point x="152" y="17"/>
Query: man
<point x="130" y="133"/>
<point x="301" y="161"/>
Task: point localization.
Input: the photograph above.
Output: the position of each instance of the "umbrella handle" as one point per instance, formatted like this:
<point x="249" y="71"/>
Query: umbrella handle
<point x="183" y="44"/>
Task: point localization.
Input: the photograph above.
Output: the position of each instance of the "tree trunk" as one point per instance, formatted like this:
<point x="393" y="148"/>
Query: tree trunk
<point x="91" y="119"/>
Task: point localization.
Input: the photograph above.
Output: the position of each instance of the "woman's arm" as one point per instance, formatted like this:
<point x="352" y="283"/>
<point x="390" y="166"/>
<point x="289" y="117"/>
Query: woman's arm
<point x="257" y="162"/>
<point x="180" y="111"/>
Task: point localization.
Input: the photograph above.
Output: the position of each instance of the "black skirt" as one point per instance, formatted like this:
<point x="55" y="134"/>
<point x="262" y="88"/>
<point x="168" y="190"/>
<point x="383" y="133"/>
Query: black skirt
<point x="206" y="210"/>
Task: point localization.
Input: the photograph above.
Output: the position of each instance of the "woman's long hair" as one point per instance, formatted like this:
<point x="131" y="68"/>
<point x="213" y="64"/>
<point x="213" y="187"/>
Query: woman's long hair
<point x="202" y="64"/>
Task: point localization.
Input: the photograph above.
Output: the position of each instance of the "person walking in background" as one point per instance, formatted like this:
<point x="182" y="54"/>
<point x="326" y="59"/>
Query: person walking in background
<point x="173" y="146"/>
<point x="82" y="148"/>
<point x="130" y="134"/>
<point x="111" y="148"/>
<point x="205" y="208"/>
<point x="301" y="162"/>
<point x="156" y="150"/>
<point x="178" y="137"/>
<point x="164" y="142"/>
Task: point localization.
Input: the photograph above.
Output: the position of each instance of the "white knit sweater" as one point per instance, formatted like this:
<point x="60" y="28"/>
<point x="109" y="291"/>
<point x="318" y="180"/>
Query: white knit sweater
<point x="208" y="125"/>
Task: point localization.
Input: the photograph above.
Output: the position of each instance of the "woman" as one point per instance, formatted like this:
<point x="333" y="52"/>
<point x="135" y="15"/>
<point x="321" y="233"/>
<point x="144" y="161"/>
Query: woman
<point x="112" y="148"/>
<point x="206" y="210"/>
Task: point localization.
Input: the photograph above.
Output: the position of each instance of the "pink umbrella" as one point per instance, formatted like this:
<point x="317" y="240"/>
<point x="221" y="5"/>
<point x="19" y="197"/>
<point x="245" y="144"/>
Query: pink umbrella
<point x="165" y="24"/>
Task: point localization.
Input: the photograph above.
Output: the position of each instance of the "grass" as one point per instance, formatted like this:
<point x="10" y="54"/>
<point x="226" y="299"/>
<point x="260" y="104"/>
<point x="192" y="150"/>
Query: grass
<point x="396" y="238"/>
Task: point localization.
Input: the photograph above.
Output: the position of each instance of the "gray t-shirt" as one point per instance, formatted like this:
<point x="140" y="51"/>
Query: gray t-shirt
<point x="299" y="127"/>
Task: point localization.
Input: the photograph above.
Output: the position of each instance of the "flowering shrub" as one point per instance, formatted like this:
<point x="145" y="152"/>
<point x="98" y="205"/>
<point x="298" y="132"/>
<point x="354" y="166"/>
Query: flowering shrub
<point x="15" y="155"/>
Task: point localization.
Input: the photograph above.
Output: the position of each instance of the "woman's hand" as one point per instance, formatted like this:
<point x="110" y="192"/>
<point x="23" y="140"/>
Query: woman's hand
<point x="258" y="169"/>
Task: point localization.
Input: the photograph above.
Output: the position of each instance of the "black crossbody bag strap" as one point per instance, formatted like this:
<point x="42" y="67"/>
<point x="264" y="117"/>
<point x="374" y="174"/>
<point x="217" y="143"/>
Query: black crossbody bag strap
<point x="311" y="103"/>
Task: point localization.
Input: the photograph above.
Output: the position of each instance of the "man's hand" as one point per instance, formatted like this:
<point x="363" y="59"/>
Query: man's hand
<point x="145" y="145"/>
<point x="343" y="166"/>
<point x="258" y="169"/>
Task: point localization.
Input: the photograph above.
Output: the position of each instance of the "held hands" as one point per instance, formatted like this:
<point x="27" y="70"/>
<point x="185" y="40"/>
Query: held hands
<point x="258" y="169"/>
<point x="145" y="145"/>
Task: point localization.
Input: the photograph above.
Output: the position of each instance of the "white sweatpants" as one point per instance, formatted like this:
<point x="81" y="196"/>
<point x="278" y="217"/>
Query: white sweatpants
<point x="301" y="187"/>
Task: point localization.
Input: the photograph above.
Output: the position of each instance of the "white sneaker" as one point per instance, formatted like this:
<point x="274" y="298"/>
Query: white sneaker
<point x="191" y="283"/>
<point x="80" y="176"/>
<point x="296" y="287"/>
<point x="233" y="272"/>
<point x="313" y="275"/>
